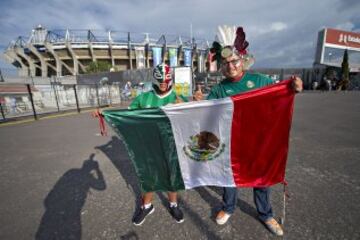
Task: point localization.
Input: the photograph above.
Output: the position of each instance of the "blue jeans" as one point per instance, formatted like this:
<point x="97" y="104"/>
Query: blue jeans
<point x="261" y="199"/>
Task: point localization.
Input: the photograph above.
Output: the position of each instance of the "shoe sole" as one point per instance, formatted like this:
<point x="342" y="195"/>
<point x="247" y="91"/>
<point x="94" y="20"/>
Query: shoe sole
<point x="139" y="224"/>
<point x="180" y="221"/>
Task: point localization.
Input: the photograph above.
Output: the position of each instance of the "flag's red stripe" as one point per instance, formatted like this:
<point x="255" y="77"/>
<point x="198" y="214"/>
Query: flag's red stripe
<point x="260" y="135"/>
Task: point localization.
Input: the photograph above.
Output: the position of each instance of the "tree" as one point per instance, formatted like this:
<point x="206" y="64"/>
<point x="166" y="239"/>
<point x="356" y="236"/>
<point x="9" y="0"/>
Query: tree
<point x="345" y="70"/>
<point x="98" y="66"/>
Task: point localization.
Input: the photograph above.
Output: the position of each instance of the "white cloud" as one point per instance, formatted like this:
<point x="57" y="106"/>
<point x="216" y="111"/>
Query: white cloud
<point x="347" y="26"/>
<point x="276" y="28"/>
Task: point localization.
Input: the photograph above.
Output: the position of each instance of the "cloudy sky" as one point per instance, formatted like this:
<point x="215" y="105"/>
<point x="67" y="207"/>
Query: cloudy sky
<point x="282" y="33"/>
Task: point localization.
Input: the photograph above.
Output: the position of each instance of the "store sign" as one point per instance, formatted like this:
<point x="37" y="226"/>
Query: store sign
<point x="348" y="38"/>
<point x="342" y="38"/>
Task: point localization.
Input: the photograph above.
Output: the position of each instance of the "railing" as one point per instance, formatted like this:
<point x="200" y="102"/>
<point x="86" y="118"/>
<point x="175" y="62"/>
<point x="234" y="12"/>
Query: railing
<point x="50" y="95"/>
<point x="52" y="98"/>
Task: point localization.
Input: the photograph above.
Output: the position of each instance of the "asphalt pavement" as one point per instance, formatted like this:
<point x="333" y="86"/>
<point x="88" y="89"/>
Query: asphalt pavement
<point x="52" y="187"/>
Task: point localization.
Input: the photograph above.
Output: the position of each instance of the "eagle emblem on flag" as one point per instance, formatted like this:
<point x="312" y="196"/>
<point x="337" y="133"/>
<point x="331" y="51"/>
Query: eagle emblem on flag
<point x="204" y="146"/>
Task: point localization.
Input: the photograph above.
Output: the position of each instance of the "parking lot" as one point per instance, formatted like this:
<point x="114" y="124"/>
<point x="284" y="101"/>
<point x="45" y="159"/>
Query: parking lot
<point x="47" y="192"/>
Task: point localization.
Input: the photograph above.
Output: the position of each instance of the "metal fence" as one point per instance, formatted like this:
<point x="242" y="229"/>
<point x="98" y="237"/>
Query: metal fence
<point x="20" y="100"/>
<point x="24" y="96"/>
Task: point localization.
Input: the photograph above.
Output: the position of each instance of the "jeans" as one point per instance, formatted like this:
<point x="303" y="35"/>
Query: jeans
<point x="261" y="199"/>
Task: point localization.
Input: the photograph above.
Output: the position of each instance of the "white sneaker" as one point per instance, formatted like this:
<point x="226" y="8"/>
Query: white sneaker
<point x="222" y="217"/>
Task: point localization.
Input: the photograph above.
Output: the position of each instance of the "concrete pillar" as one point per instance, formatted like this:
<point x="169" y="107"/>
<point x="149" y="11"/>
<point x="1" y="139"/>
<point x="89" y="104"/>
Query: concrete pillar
<point x="20" y="52"/>
<point x="44" y="66"/>
<point x="11" y="56"/>
<point x="93" y="57"/>
<point x="147" y="55"/>
<point x="59" y="62"/>
<point x="130" y="51"/>
<point x="77" y="64"/>
<point x="111" y="54"/>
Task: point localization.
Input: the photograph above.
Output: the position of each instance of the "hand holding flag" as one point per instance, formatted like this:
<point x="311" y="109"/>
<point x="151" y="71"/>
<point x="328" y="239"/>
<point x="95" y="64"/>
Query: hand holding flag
<point x="297" y="84"/>
<point x="198" y="95"/>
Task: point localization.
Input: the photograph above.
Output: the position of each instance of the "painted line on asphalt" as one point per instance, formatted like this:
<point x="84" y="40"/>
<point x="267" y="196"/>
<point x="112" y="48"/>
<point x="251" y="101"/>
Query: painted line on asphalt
<point x="44" y="118"/>
<point x="16" y="123"/>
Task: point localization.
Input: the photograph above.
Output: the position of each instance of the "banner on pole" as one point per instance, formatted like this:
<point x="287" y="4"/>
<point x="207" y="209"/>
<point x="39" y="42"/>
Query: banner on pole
<point x="183" y="81"/>
<point x="157" y="58"/>
<point x="173" y="57"/>
<point x="187" y="57"/>
<point x="140" y="57"/>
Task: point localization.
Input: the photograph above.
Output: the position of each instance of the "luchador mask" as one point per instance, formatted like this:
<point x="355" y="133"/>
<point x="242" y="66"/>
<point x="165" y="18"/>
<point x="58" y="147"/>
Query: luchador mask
<point x="162" y="74"/>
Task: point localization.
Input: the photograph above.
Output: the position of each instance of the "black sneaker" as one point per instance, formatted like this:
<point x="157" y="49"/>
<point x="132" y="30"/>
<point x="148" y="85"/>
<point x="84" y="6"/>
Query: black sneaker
<point x="177" y="214"/>
<point x="142" y="214"/>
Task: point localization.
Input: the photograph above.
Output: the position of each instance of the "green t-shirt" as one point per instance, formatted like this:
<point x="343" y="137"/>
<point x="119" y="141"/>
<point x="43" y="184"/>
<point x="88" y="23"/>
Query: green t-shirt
<point x="152" y="100"/>
<point x="248" y="82"/>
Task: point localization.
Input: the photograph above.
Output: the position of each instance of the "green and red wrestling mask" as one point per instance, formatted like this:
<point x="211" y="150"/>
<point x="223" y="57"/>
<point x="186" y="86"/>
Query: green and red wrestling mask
<point x="163" y="79"/>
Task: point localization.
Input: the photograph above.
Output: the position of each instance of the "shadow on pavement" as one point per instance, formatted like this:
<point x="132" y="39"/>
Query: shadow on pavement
<point x="130" y="236"/>
<point x="215" y="204"/>
<point x="195" y="217"/>
<point x="114" y="150"/>
<point x="63" y="204"/>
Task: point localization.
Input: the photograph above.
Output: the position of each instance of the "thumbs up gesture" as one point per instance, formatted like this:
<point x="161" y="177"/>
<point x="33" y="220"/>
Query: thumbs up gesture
<point x="198" y="95"/>
<point x="178" y="100"/>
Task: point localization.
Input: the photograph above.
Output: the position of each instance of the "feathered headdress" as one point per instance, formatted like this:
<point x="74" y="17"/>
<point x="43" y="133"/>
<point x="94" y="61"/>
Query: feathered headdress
<point x="231" y="41"/>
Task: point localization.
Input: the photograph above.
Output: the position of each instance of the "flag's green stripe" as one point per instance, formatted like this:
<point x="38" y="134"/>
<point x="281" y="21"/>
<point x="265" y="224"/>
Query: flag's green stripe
<point x="151" y="146"/>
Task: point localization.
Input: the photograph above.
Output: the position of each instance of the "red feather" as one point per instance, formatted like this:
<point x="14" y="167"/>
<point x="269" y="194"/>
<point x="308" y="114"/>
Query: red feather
<point x="240" y="43"/>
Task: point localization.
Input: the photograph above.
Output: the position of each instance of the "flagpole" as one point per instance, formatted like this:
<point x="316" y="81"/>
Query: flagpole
<point x="191" y="33"/>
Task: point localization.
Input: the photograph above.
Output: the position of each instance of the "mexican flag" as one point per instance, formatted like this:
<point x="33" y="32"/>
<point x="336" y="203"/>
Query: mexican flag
<point x="236" y="141"/>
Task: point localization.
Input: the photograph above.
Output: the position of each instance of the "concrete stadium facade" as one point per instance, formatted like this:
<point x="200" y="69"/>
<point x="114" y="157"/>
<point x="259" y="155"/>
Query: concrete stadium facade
<point x="58" y="53"/>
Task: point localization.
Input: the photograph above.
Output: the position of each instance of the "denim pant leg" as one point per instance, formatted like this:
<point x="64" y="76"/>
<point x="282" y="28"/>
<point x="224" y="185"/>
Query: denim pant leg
<point x="262" y="202"/>
<point x="229" y="199"/>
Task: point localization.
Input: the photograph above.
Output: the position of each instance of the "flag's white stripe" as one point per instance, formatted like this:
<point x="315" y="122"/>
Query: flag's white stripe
<point x="189" y="119"/>
<point x="195" y="104"/>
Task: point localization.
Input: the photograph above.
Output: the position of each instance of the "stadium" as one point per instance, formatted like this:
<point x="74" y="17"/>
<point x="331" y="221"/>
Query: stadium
<point x="47" y="53"/>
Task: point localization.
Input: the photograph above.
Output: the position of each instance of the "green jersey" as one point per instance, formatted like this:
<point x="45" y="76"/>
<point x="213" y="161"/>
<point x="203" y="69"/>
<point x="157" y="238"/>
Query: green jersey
<point x="152" y="100"/>
<point x="248" y="82"/>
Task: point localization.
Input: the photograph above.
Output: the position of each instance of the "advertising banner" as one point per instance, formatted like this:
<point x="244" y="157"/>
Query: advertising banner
<point x="157" y="58"/>
<point x="183" y="81"/>
<point x="140" y="57"/>
<point x="187" y="57"/>
<point x="173" y="57"/>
